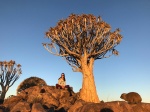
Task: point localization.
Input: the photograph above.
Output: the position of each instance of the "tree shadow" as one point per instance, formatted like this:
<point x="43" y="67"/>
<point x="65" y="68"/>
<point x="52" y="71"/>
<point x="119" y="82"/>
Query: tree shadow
<point x="106" y="110"/>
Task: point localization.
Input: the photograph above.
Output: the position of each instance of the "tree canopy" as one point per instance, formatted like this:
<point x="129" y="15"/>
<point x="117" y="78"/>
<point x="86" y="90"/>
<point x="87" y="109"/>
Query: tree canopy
<point x="80" y="35"/>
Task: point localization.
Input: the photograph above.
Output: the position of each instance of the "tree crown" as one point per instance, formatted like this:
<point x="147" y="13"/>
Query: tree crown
<point x="82" y="35"/>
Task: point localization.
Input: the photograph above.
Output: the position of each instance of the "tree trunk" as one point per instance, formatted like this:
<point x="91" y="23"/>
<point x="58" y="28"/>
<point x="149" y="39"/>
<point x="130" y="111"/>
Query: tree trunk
<point x="88" y="92"/>
<point x="3" y="93"/>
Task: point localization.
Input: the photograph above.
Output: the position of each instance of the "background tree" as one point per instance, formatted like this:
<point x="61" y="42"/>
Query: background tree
<point x="82" y="39"/>
<point x="29" y="82"/>
<point x="9" y="73"/>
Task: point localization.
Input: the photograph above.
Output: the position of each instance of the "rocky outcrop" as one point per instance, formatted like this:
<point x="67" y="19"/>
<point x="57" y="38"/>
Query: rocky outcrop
<point x="50" y="99"/>
<point x="44" y="98"/>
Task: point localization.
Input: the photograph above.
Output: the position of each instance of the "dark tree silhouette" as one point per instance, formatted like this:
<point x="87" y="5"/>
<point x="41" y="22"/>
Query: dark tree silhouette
<point x="9" y="73"/>
<point x="80" y="40"/>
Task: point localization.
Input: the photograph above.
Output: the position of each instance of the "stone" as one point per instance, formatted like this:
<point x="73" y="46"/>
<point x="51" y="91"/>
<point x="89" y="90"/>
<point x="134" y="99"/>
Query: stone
<point x="11" y="102"/>
<point x="37" y="107"/>
<point x="94" y="107"/>
<point x="76" y="105"/>
<point x="48" y="99"/>
<point x="21" y="107"/>
<point x="64" y="93"/>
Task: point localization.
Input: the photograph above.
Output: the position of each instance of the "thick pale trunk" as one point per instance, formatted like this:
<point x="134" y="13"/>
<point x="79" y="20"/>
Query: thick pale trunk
<point x="88" y="92"/>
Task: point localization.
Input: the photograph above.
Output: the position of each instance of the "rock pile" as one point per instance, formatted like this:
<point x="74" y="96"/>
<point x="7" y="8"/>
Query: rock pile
<point x="49" y="99"/>
<point x="41" y="99"/>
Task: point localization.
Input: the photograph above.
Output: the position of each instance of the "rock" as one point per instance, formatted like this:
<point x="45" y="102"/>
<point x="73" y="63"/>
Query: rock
<point x="66" y="100"/>
<point x="66" y="105"/>
<point x="95" y="107"/>
<point x="60" y="110"/>
<point x="117" y="106"/>
<point x="23" y="94"/>
<point x="106" y="110"/>
<point x="76" y="105"/>
<point x="11" y="102"/>
<point x="37" y="107"/>
<point x="121" y="106"/>
<point x="64" y="93"/>
<point x="48" y="99"/>
<point x="72" y="99"/>
<point x="49" y="108"/>
<point x="21" y="107"/>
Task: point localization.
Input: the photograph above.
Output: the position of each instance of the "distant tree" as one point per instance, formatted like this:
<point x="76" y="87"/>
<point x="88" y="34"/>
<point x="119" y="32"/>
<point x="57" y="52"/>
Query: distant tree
<point x="29" y="82"/>
<point x="80" y="40"/>
<point x="9" y="73"/>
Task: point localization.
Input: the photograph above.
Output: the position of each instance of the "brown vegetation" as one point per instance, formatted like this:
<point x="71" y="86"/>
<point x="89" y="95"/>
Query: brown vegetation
<point x="29" y="82"/>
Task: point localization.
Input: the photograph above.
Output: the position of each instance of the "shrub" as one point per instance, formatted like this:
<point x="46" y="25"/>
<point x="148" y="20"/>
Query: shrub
<point x="29" y="82"/>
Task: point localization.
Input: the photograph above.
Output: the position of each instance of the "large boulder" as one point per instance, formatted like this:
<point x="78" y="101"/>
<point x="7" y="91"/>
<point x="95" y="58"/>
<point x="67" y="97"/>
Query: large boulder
<point x="48" y="100"/>
<point x="21" y="106"/>
<point x="12" y="101"/>
<point x="98" y="107"/>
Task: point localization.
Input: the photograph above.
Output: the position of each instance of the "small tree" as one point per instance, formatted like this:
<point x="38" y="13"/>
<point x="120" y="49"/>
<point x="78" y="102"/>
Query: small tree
<point x="82" y="39"/>
<point x="9" y="73"/>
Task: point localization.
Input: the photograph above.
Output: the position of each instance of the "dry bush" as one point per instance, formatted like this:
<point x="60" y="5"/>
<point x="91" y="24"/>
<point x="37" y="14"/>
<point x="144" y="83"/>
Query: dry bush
<point x="29" y="82"/>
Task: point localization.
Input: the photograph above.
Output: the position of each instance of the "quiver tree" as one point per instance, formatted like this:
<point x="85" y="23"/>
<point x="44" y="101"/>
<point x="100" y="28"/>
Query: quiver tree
<point x="9" y="73"/>
<point x="82" y="39"/>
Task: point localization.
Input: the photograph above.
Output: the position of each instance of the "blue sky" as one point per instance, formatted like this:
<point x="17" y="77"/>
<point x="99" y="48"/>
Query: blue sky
<point x="23" y="24"/>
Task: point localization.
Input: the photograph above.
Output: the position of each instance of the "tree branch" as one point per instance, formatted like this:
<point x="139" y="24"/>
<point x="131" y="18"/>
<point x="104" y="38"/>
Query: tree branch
<point x="75" y="65"/>
<point x="82" y="35"/>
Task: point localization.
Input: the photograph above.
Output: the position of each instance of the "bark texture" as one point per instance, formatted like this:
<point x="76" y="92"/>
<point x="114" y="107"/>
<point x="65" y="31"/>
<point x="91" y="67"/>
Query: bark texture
<point x="88" y="92"/>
